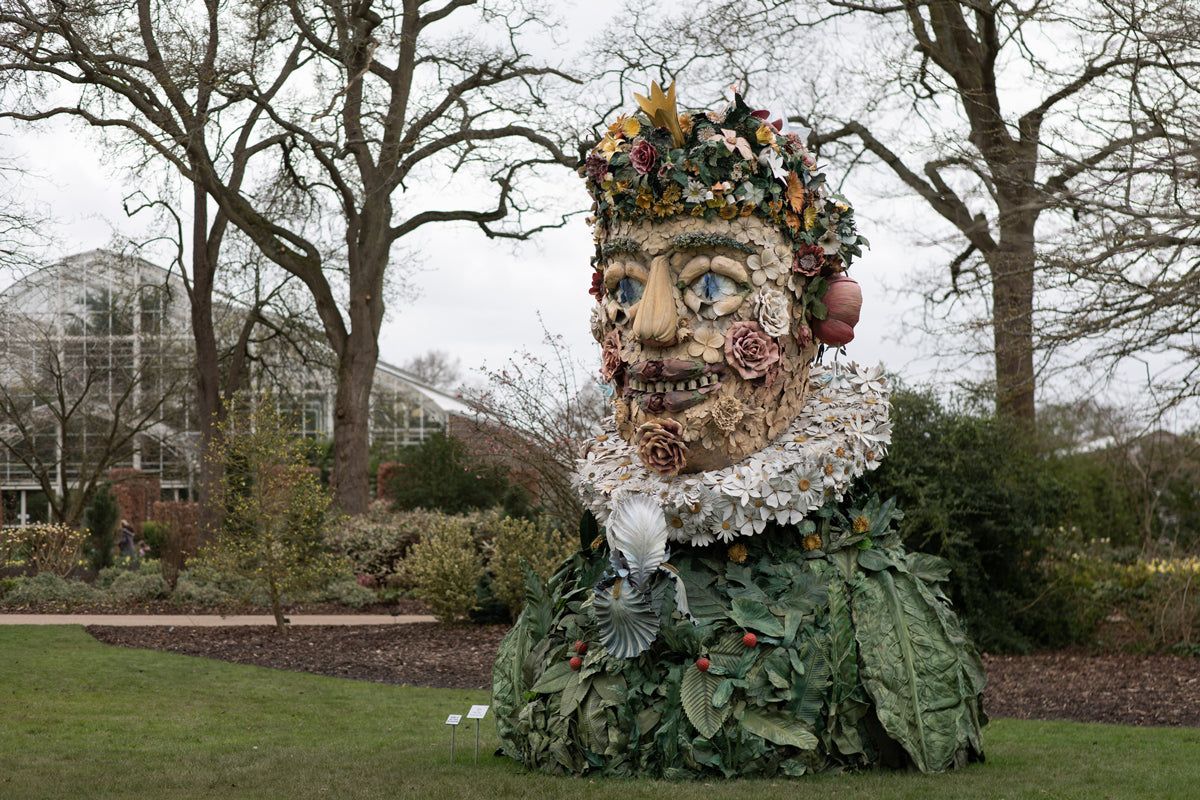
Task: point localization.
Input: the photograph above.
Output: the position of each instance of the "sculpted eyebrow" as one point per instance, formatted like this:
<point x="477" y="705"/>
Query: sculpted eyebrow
<point x="705" y="241"/>
<point x="620" y="245"/>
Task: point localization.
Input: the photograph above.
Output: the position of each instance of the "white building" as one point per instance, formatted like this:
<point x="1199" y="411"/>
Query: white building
<point x="96" y="373"/>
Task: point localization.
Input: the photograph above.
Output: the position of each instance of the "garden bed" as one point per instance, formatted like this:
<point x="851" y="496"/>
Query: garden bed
<point x="1071" y="685"/>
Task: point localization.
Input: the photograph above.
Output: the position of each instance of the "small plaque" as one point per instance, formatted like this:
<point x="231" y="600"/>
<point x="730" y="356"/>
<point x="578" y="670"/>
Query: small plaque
<point x="477" y="712"/>
<point x="454" y="719"/>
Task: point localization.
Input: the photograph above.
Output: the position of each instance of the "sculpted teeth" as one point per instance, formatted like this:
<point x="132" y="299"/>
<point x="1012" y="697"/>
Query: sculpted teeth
<point x="669" y="386"/>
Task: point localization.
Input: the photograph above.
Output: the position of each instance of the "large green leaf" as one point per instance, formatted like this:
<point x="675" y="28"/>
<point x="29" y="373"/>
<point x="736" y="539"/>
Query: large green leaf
<point x="554" y="679"/>
<point x="508" y="688"/>
<point x="778" y="728"/>
<point x="924" y="695"/>
<point x="696" y="694"/>
<point x="755" y="616"/>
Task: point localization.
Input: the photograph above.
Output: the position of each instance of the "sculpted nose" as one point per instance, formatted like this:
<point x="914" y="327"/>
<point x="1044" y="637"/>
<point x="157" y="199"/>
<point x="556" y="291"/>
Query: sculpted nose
<point x="657" y="320"/>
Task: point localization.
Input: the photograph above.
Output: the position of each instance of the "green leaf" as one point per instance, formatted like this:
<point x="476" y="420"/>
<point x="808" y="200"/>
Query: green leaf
<point x="703" y="602"/>
<point x="929" y="568"/>
<point x="696" y="694"/>
<point x="611" y="689"/>
<point x="918" y="668"/>
<point x="743" y="577"/>
<point x="778" y="728"/>
<point x="723" y="693"/>
<point x="875" y="560"/>
<point x="755" y="616"/>
<point x="554" y="679"/>
<point x="575" y="690"/>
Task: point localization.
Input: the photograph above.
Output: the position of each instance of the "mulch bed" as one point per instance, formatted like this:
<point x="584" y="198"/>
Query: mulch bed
<point x="1113" y="688"/>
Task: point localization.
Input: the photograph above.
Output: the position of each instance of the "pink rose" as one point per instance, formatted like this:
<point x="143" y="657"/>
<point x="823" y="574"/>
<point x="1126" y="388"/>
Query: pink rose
<point x="803" y="335"/>
<point x="751" y="352"/>
<point x="660" y="446"/>
<point x="643" y="157"/>
<point x="612" y="367"/>
<point x="843" y="299"/>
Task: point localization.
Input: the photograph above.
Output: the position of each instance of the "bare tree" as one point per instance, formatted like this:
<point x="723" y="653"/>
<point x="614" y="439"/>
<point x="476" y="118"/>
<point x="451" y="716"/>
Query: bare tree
<point x="534" y="417"/>
<point x="436" y="368"/>
<point x="1030" y="128"/>
<point x="367" y="104"/>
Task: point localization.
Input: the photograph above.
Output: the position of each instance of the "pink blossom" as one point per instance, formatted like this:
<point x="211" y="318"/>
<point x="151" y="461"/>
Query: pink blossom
<point x="643" y="157"/>
<point x="751" y="352"/>
<point x="661" y="446"/>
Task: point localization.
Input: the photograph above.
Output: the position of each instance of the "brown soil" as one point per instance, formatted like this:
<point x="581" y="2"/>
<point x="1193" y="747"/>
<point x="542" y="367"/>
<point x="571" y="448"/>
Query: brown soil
<point x="1113" y="688"/>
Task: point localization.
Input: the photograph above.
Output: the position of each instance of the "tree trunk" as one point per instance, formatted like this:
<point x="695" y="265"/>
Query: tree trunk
<point x="208" y="366"/>
<point x="352" y="421"/>
<point x="1012" y="328"/>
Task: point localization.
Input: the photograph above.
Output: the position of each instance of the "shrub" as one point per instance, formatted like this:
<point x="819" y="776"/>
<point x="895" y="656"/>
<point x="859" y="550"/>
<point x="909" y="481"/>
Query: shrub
<point x="155" y="535"/>
<point x="377" y="542"/>
<point x="347" y="592"/>
<point x="100" y="519"/>
<point x="444" y="568"/>
<point x="192" y="589"/>
<point x="53" y="548"/>
<point x="974" y="492"/>
<point x="1131" y="602"/>
<point x="134" y="587"/>
<point x="46" y="587"/>
<point x="540" y="546"/>
<point x="441" y="474"/>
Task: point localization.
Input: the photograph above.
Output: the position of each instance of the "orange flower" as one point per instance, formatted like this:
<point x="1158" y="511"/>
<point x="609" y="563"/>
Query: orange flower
<point x="812" y="541"/>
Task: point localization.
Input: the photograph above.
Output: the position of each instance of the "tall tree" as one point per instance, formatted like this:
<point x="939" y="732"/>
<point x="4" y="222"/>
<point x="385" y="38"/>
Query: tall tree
<point x="1018" y="122"/>
<point x="374" y="108"/>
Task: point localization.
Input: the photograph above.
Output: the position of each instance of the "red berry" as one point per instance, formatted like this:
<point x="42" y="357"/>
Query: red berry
<point x="576" y="662"/>
<point x="702" y="664"/>
<point x="581" y="647"/>
<point x="749" y="640"/>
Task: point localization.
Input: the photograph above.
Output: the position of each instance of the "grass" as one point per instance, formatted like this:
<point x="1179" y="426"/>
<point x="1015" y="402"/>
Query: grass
<point x="81" y="719"/>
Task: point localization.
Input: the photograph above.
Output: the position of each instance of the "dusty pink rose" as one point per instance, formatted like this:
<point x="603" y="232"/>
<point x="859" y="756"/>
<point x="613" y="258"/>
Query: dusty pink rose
<point x="808" y="260"/>
<point x="612" y="368"/>
<point x="843" y="299"/>
<point x="643" y="157"/>
<point x="660" y="446"/>
<point x="804" y="335"/>
<point x="751" y="352"/>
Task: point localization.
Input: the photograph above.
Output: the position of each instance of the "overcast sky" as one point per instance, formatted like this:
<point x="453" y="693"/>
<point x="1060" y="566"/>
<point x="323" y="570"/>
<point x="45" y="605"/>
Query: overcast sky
<point x="479" y="301"/>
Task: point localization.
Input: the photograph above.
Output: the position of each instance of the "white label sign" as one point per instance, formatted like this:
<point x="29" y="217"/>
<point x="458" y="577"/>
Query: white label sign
<point x="477" y="712"/>
<point x="454" y="719"/>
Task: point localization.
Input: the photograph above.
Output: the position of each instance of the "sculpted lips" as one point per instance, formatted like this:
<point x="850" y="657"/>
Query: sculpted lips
<point x="671" y="385"/>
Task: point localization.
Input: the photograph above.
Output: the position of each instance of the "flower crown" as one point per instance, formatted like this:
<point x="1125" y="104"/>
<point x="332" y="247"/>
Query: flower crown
<point x="659" y="164"/>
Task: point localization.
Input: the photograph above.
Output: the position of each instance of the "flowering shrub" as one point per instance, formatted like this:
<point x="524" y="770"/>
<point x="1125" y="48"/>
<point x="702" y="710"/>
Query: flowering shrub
<point x="53" y="548"/>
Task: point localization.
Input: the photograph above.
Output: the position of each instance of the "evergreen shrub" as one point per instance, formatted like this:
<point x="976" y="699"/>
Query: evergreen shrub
<point x="444" y="568"/>
<point x="542" y="547"/>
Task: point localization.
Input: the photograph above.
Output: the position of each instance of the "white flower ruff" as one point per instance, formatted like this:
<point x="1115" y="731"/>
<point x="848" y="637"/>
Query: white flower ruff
<point x="842" y="432"/>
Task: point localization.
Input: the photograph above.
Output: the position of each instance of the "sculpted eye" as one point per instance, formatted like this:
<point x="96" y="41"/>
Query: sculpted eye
<point x="711" y="287"/>
<point x="628" y="291"/>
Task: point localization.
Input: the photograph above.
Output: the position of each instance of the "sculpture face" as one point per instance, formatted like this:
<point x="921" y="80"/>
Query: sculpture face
<point x="699" y="327"/>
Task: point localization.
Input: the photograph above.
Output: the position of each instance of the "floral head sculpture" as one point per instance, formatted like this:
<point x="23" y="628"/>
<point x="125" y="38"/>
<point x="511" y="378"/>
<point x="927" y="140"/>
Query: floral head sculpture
<point x="719" y="270"/>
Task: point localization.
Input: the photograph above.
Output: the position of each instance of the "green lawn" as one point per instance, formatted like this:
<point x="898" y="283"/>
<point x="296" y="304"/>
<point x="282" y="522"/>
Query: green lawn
<point x="82" y="720"/>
